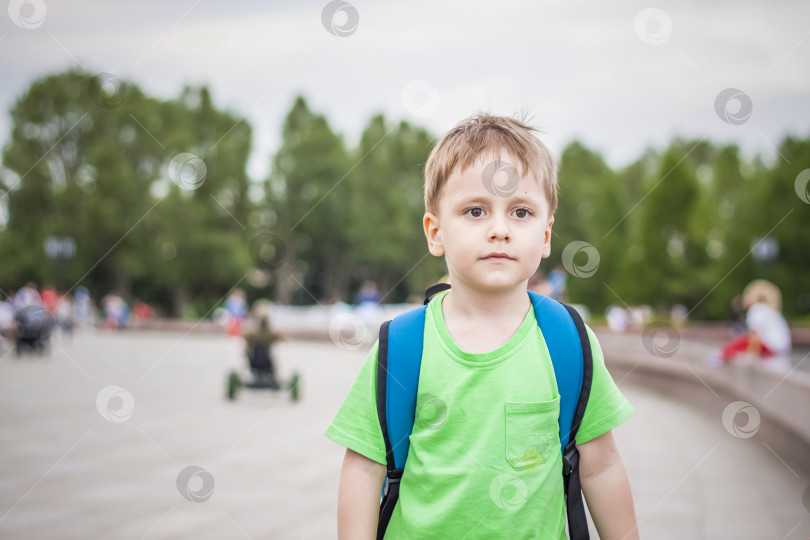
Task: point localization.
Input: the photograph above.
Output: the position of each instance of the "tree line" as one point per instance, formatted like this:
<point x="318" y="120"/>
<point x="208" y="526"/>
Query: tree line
<point x="156" y="197"/>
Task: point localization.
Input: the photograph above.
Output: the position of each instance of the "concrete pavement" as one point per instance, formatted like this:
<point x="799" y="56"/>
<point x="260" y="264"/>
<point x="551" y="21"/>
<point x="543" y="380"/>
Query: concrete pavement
<point x="95" y="440"/>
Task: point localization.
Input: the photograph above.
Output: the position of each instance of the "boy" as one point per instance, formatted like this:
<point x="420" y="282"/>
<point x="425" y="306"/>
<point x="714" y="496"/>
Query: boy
<point x="484" y="459"/>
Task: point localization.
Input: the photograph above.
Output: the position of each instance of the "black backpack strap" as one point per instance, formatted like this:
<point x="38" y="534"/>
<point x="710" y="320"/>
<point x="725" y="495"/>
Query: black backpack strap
<point x="382" y="394"/>
<point x="389" y="501"/>
<point x="575" y="506"/>
<point x="391" y="490"/>
<point x="433" y="290"/>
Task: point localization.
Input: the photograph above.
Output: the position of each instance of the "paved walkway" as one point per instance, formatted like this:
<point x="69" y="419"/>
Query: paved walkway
<point x="82" y="459"/>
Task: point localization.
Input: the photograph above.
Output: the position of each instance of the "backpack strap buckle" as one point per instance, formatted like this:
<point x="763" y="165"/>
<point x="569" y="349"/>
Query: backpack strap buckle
<point x="570" y="459"/>
<point x="389" y="500"/>
<point x="393" y="479"/>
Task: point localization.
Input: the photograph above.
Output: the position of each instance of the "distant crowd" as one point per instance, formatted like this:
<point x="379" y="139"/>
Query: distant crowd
<point x="68" y="309"/>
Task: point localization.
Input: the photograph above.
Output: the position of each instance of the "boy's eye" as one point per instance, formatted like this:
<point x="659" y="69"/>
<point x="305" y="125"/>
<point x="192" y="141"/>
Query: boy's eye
<point x="475" y="212"/>
<point x="523" y="213"/>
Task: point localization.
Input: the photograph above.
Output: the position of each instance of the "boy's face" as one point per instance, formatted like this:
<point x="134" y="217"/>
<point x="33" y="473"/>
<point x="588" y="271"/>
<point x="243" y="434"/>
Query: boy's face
<point x="492" y="225"/>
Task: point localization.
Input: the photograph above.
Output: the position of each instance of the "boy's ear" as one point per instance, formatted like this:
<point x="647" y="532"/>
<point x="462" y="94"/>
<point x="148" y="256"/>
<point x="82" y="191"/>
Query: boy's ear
<point x="433" y="234"/>
<point x="547" y="239"/>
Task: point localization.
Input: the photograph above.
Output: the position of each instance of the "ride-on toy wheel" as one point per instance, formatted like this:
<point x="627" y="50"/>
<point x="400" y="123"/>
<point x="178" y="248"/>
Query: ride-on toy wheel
<point x="259" y="382"/>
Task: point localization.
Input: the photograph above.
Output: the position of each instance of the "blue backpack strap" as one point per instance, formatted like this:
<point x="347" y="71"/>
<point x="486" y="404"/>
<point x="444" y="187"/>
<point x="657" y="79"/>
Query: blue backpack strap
<point x="398" y="362"/>
<point x="399" y="358"/>
<point x="564" y="346"/>
<point x="570" y="351"/>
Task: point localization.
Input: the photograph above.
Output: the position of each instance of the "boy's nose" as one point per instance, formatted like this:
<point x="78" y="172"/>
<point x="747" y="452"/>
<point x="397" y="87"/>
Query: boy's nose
<point x="499" y="229"/>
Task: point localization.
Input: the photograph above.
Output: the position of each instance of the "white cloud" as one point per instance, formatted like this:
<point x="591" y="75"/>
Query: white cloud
<point x="579" y="67"/>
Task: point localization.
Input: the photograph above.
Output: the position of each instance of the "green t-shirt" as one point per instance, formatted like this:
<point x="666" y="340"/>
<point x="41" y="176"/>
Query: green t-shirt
<point x="484" y="459"/>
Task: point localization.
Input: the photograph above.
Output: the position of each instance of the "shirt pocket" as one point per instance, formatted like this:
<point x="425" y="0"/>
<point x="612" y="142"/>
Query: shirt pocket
<point x="532" y="433"/>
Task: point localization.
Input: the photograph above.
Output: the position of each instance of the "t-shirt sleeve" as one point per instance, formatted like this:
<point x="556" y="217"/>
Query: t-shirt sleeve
<point x="607" y="407"/>
<point x="356" y="425"/>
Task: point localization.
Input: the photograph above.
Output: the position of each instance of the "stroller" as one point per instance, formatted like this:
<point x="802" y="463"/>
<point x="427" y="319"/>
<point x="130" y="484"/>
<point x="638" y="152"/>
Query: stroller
<point x="263" y="374"/>
<point x="34" y="327"/>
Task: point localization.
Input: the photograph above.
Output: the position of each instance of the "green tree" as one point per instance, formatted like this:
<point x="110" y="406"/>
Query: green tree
<point x="198" y="248"/>
<point x="90" y="158"/>
<point x="660" y="272"/>
<point x="74" y="168"/>
<point x="592" y="208"/>
<point x="386" y="206"/>
<point x="716" y="224"/>
<point x="776" y="209"/>
<point x="308" y="194"/>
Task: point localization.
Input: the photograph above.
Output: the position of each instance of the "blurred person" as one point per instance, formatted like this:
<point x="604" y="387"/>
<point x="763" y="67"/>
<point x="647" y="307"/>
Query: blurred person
<point x="7" y="323"/>
<point x="368" y="304"/>
<point x="65" y="315"/>
<point x="263" y="307"/>
<point x="49" y="297"/>
<point x="617" y="319"/>
<point x="142" y="311"/>
<point x="639" y="316"/>
<point x="27" y="296"/>
<point x="116" y="312"/>
<point x="556" y="281"/>
<point x="368" y="294"/>
<point x="84" y="306"/>
<point x="237" y="308"/>
<point x="767" y="336"/>
<point x="678" y="315"/>
<point x="258" y="348"/>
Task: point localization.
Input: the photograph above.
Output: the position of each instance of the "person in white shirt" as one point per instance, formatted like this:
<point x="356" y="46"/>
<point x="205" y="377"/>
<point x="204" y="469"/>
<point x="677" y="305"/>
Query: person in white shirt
<point x="768" y="335"/>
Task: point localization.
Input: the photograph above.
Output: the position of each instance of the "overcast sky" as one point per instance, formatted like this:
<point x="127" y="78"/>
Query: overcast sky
<point x="619" y="75"/>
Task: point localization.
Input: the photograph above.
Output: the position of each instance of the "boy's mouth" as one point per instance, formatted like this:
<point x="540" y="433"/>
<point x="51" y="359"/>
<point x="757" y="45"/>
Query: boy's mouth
<point x="497" y="256"/>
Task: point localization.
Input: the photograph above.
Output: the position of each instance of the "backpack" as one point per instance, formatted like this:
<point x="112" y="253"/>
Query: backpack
<point x="398" y="361"/>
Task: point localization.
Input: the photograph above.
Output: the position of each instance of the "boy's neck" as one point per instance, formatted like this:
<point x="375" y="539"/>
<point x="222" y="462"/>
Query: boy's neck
<point x="467" y="303"/>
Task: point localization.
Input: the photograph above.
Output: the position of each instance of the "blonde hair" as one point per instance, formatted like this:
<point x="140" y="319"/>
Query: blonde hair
<point x="460" y="147"/>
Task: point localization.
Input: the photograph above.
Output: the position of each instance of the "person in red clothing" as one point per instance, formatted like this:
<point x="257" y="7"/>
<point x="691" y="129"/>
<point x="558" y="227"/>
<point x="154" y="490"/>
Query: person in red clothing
<point x="50" y="298"/>
<point x="143" y="311"/>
